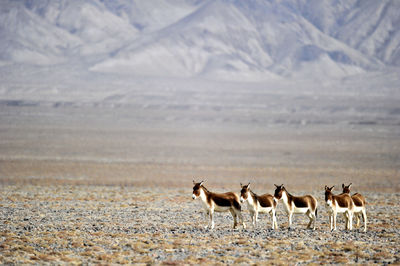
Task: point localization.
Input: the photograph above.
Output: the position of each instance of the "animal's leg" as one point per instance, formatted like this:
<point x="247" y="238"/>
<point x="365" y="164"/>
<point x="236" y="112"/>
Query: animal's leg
<point x="309" y="215"/>
<point x="239" y="214"/>
<point x="211" y="224"/>
<point x="252" y="214"/>
<point x="334" y="221"/>
<point x="234" y="218"/>
<point x="255" y="218"/>
<point x="241" y="219"/>
<point x="290" y="219"/>
<point x="364" y="215"/>
<point x="358" y="220"/>
<point x="273" y="217"/>
<point x="346" y="218"/>
<point x="350" y="215"/>
<point x="207" y="214"/>
<point x="314" y="219"/>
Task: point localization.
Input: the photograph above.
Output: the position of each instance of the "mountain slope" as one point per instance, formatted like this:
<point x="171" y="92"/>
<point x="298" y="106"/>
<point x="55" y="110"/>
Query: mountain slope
<point x="251" y="40"/>
<point x="261" y="40"/>
<point x="372" y="27"/>
<point x="27" y="38"/>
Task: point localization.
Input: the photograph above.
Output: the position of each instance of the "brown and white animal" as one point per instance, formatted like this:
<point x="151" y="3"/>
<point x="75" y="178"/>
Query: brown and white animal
<point x="341" y="203"/>
<point x="359" y="206"/>
<point x="259" y="204"/>
<point x="218" y="202"/>
<point x="304" y="204"/>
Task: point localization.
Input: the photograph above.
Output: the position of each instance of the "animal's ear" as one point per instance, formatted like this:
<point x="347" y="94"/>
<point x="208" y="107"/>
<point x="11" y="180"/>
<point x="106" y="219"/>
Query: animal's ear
<point x="194" y="182"/>
<point x="276" y="185"/>
<point x="248" y="185"/>
<point x="326" y="187"/>
<point x="281" y="186"/>
<point x="350" y="185"/>
<point x="201" y="183"/>
<point x="342" y="185"/>
<point x="331" y="187"/>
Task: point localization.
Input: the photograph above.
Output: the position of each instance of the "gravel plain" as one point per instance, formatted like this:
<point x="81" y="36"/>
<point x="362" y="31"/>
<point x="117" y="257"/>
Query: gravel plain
<point x="78" y="224"/>
<point x="110" y="182"/>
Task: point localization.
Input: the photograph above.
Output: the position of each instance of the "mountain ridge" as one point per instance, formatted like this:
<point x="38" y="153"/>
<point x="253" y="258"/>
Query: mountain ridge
<point x="252" y="40"/>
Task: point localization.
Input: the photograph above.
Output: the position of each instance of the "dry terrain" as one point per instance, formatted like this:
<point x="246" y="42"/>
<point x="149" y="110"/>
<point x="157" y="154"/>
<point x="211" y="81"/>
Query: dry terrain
<point x="128" y="224"/>
<point x="110" y="182"/>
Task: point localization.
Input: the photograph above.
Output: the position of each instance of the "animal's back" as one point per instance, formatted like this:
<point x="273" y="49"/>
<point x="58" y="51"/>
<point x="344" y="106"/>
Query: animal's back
<point x="304" y="202"/>
<point x="358" y="200"/>
<point x="344" y="201"/>
<point x="266" y="200"/>
<point x="226" y="199"/>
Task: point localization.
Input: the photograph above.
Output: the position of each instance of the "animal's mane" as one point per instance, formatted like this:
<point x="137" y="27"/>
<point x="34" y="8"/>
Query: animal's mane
<point x="254" y="195"/>
<point x="205" y="189"/>
<point x="287" y="192"/>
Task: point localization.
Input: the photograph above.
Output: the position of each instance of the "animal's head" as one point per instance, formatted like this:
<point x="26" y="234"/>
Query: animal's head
<point x="346" y="189"/>
<point x="329" y="195"/>
<point x="244" y="192"/>
<point x="278" y="191"/>
<point x="196" y="189"/>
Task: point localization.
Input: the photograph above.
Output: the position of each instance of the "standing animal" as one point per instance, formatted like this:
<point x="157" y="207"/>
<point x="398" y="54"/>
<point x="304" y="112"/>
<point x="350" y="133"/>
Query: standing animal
<point x="359" y="206"/>
<point x="304" y="204"/>
<point x="341" y="203"/>
<point x="218" y="202"/>
<point x="259" y="204"/>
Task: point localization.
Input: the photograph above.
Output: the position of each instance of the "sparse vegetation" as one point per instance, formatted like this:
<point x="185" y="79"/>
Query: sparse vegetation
<point x="124" y="225"/>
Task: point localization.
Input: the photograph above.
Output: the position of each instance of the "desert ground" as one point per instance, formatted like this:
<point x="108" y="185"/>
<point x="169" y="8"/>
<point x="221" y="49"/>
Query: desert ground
<point x="117" y="224"/>
<point x="110" y="182"/>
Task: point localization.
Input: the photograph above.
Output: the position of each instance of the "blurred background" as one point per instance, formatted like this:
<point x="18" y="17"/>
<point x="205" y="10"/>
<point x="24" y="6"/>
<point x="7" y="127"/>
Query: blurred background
<point x="158" y="93"/>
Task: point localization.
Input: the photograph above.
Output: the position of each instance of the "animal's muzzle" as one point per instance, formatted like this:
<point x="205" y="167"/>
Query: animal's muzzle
<point x="193" y="196"/>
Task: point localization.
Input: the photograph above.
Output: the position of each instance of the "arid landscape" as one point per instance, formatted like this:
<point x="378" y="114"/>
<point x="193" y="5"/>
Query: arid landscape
<point x="112" y="184"/>
<point x="110" y="109"/>
<point x="76" y="224"/>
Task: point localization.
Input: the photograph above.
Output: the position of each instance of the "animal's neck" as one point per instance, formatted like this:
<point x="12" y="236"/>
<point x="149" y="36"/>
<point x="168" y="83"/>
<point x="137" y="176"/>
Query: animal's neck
<point x="204" y="194"/>
<point x="252" y="198"/>
<point x="286" y="197"/>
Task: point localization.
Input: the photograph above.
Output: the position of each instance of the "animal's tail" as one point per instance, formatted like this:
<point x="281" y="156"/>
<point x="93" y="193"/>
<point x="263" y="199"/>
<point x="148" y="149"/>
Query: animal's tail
<point x="316" y="212"/>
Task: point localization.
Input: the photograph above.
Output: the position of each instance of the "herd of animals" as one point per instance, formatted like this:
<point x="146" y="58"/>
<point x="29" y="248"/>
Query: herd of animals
<point x="349" y="205"/>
